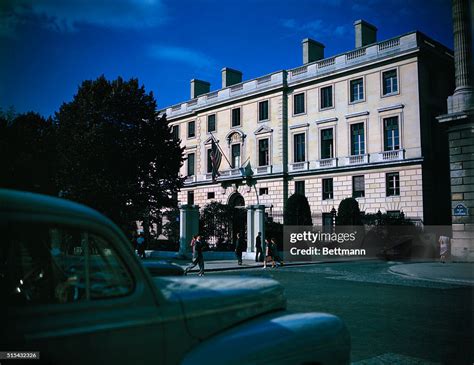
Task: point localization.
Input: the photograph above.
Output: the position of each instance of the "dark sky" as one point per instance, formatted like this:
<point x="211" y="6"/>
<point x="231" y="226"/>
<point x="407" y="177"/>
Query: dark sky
<point x="48" y="47"/>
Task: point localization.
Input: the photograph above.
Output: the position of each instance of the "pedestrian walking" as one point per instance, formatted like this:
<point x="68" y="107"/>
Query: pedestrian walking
<point x="239" y="248"/>
<point x="276" y="256"/>
<point x="198" y="258"/>
<point x="268" y="254"/>
<point x="258" y="247"/>
<point x="141" y="246"/>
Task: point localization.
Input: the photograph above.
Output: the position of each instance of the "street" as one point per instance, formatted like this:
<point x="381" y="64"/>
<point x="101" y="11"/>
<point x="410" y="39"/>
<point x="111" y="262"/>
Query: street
<point x="392" y="319"/>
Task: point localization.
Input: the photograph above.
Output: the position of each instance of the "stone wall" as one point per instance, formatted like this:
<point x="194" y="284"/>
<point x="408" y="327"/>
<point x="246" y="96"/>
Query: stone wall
<point x="410" y="200"/>
<point x="461" y="151"/>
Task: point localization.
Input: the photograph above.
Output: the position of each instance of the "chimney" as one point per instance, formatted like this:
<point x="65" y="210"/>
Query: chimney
<point x="199" y="87"/>
<point x="365" y="33"/>
<point x="230" y="77"/>
<point x="312" y="50"/>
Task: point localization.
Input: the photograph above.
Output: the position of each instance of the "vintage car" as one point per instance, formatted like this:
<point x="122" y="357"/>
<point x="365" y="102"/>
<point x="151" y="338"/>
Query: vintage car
<point x="74" y="291"/>
<point x="163" y="268"/>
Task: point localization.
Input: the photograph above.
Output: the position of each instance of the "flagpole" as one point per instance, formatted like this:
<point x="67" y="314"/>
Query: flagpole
<point x="220" y="149"/>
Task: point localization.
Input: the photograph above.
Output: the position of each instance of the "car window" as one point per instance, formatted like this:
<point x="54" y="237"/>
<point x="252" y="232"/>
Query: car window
<point x="46" y="264"/>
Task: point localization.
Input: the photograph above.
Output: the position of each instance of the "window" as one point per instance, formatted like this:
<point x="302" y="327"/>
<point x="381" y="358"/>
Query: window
<point x="390" y="82"/>
<point x="327" y="143"/>
<point x="263" y="191"/>
<point x="299" y="187"/>
<point x="211" y="123"/>
<point x="190" y="197"/>
<point x="209" y="160"/>
<point x="298" y="103"/>
<point x="211" y="195"/>
<point x="357" y="139"/>
<point x="59" y="265"/>
<point x="175" y="132"/>
<point x="391" y="140"/>
<point x="326" y="97"/>
<point x="327" y="189"/>
<point x="235" y="155"/>
<point x="263" y="155"/>
<point x="358" y="186"/>
<point x="235" y="117"/>
<point x="393" y="184"/>
<point x="299" y="147"/>
<point x="263" y="110"/>
<point x="357" y="90"/>
<point x="191" y="162"/>
<point x="191" y="129"/>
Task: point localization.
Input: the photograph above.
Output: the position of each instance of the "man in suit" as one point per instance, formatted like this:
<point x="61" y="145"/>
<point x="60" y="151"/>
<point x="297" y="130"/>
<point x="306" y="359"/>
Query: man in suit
<point x="258" y="247"/>
<point x="239" y="248"/>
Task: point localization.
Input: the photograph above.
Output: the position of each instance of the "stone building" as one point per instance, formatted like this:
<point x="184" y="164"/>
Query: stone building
<point x="359" y="124"/>
<point x="459" y="123"/>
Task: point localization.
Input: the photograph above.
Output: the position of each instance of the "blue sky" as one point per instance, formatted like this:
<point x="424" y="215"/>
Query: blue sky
<point x="49" y="47"/>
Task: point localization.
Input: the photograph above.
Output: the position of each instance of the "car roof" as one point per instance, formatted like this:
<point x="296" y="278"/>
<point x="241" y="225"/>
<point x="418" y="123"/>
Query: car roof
<point x="25" y="202"/>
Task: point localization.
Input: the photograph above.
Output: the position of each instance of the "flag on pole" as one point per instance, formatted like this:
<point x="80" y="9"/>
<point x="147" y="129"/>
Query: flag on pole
<point x="216" y="157"/>
<point x="247" y="171"/>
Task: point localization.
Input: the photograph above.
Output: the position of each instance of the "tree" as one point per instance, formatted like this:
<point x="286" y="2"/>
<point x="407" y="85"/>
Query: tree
<point x="298" y="212"/>
<point x="27" y="152"/>
<point x="116" y="154"/>
<point x="348" y="212"/>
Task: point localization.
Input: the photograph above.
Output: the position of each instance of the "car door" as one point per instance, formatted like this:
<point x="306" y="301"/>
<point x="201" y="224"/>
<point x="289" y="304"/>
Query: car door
<point x="73" y="294"/>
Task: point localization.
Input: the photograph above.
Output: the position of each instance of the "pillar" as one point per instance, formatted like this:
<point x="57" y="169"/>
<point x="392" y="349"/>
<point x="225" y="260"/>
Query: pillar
<point x="251" y="234"/>
<point x="255" y="224"/>
<point x="188" y="227"/>
<point x="463" y="96"/>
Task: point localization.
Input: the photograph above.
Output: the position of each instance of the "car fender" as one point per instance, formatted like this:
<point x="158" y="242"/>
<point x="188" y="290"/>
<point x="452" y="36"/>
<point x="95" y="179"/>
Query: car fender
<point x="279" y="338"/>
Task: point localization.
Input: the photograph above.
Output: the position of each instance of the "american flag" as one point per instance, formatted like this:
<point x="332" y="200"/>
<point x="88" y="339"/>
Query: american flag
<point x="216" y="157"/>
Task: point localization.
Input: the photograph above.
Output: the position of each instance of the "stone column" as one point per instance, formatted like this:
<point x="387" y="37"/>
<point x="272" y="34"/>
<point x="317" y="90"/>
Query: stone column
<point x="462" y="43"/>
<point x="188" y="227"/>
<point x="251" y="234"/>
<point x="463" y="96"/>
<point x="259" y="222"/>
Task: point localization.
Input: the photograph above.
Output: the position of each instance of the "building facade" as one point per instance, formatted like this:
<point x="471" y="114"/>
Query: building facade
<point x="360" y="124"/>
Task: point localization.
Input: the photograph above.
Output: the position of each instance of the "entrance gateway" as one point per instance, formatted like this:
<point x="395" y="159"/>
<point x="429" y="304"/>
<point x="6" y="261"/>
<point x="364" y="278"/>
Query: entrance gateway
<point x="239" y="224"/>
<point x="247" y="220"/>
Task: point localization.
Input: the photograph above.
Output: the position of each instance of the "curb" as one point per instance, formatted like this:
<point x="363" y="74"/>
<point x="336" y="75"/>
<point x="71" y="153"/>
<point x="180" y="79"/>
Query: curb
<point x="440" y="280"/>
<point x="233" y="268"/>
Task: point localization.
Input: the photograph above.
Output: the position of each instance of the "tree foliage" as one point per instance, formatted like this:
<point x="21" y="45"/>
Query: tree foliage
<point x="27" y="153"/>
<point x="171" y="226"/>
<point x="348" y="212"/>
<point x="115" y="154"/>
<point x="298" y="212"/>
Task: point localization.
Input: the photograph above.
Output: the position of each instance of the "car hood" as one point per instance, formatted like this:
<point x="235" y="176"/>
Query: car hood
<point x="212" y="304"/>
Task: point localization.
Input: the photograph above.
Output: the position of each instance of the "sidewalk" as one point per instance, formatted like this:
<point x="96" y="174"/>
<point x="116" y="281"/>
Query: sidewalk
<point x="226" y="265"/>
<point x="452" y="273"/>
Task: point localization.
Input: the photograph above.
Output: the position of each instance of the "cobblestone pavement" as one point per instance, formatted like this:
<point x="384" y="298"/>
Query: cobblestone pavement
<point x="392" y="319"/>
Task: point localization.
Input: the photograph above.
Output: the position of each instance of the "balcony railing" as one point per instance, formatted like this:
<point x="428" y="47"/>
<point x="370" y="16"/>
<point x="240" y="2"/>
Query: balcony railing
<point x="264" y="170"/>
<point x="299" y="166"/>
<point x="230" y="173"/>
<point x="190" y="179"/>
<point x="354" y="160"/>
<point x="326" y="163"/>
<point x="388" y="156"/>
